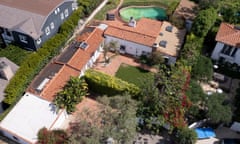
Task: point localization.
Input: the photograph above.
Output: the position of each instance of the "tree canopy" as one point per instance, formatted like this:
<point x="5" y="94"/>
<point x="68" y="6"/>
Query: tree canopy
<point x="116" y="119"/>
<point x="204" y="21"/>
<point x="202" y="69"/>
<point x="72" y="94"/>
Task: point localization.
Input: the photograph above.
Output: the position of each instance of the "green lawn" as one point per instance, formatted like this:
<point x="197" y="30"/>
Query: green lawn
<point x="133" y="74"/>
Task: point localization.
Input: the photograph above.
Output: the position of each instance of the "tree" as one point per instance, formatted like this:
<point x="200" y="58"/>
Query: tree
<point x="203" y="69"/>
<point x="115" y="118"/>
<point x="186" y="136"/>
<point x="204" y="21"/>
<point x="217" y="110"/>
<point x="46" y="136"/>
<point x="198" y="99"/>
<point x="72" y="94"/>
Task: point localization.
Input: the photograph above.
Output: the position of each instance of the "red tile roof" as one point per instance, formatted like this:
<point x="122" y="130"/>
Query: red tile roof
<point x="145" y="32"/>
<point x="74" y="66"/>
<point x="228" y="34"/>
<point x="58" y="82"/>
<point x="81" y="57"/>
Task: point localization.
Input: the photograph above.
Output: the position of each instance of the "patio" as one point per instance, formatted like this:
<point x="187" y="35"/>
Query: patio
<point x="116" y="61"/>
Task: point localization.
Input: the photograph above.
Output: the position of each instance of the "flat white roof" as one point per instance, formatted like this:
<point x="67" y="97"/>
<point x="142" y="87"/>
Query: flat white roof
<point x="29" y="115"/>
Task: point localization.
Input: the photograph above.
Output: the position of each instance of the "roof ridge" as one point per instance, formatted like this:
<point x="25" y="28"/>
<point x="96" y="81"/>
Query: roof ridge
<point x="131" y="31"/>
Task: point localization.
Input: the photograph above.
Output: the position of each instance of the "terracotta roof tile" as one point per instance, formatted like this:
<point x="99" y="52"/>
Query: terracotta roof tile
<point x="58" y="82"/>
<point x="145" y="32"/>
<point x="73" y="66"/>
<point x="228" y="34"/>
<point x="81" y="57"/>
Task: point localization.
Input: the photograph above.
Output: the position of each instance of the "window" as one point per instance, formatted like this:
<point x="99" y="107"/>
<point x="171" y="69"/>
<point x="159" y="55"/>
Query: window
<point x="47" y="30"/>
<point x="229" y="50"/>
<point x="62" y="16"/>
<point x="73" y="6"/>
<point x="122" y="47"/>
<point x="52" y="25"/>
<point x="15" y="138"/>
<point x="39" y="41"/>
<point x="23" y="38"/>
<point x="8" y="33"/>
<point x="58" y="9"/>
<point x="55" y="12"/>
<point x="66" y="12"/>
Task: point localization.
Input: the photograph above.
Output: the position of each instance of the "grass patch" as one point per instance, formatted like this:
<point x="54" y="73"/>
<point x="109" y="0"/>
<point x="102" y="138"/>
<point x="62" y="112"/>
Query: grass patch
<point x="111" y="4"/>
<point x="133" y="74"/>
<point x="14" y="53"/>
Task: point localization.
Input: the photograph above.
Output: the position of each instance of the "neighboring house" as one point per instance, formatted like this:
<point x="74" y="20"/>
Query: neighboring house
<point x="29" y="23"/>
<point x="7" y="70"/>
<point x="228" y="44"/>
<point x="30" y="114"/>
<point x="144" y="37"/>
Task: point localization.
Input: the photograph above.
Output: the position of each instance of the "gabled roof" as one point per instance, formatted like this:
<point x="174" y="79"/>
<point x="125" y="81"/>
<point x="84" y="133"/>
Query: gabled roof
<point x="27" y="16"/>
<point x="30" y="114"/>
<point x="145" y="32"/>
<point x="228" y="34"/>
<point x="69" y="63"/>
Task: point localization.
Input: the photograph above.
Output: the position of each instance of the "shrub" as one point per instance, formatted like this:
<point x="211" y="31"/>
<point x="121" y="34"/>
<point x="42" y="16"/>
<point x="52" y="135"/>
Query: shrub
<point x="109" y="85"/>
<point x="46" y="136"/>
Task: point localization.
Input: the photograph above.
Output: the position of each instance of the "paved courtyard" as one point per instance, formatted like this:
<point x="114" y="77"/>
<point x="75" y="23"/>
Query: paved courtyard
<point x="116" y="61"/>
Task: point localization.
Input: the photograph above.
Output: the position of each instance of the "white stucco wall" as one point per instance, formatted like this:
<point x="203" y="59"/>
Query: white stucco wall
<point x="216" y="52"/>
<point x="60" y="120"/>
<point x="131" y="47"/>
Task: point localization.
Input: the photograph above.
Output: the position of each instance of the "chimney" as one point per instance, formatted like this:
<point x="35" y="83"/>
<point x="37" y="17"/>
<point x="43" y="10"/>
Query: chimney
<point x="5" y="71"/>
<point x="132" y="22"/>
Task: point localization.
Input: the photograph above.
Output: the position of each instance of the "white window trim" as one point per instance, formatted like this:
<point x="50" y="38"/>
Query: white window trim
<point x="66" y="12"/>
<point x="23" y="38"/>
<point x="62" y="16"/>
<point x="39" y="40"/>
<point x="47" y="30"/>
<point x="52" y="25"/>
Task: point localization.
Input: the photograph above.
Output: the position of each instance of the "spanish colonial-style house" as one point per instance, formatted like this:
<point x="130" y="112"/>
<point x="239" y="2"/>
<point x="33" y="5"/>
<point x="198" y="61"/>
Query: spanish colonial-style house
<point x="35" y="109"/>
<point x="228" y="44"/>
<point x="29" y="23"/>
<point x="145" y="36"/>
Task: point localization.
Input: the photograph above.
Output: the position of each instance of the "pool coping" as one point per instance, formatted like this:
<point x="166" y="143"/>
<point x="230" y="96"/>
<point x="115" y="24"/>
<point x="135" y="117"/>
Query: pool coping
<point x="136" y="6"/>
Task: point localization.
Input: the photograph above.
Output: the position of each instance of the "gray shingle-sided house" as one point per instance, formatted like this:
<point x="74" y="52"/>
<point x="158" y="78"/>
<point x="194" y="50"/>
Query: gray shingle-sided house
<point x="29" y="23"/>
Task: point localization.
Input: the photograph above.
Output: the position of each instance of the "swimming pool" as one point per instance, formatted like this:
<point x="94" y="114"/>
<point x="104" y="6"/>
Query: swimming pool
<point x="139" y="12"/>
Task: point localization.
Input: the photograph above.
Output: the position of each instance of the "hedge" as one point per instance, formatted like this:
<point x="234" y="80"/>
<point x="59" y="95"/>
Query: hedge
<point x="37" y="60"/>
<point x="108" y="85"/>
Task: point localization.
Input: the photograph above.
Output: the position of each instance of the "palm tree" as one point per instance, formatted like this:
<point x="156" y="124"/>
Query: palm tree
<point x="72" y="94"/>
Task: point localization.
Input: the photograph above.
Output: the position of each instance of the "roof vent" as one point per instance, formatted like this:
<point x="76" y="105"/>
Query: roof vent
<point x="83" y="45"/>
<point x="161" y="34"/>
<point x="169" y="28"/>
<point x="163" y="43"/>
<point x="155" y="45"/>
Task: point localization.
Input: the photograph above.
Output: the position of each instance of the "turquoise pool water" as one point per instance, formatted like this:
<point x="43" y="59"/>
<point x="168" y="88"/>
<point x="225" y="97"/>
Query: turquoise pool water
<point x="139" y="12"/>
